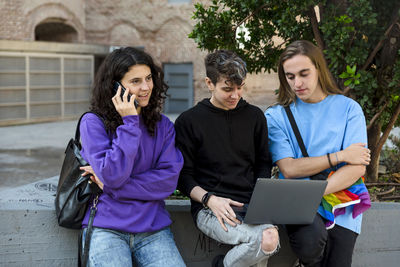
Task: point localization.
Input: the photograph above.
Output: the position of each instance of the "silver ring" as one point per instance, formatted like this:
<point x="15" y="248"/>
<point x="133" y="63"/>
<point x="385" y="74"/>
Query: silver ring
<point x="226" y="213"/>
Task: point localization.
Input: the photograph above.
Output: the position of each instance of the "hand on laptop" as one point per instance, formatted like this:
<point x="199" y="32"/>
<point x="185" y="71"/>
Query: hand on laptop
<point x="221" y="207"/>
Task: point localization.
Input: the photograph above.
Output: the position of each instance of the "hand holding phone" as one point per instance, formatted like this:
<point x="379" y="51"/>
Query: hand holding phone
<point x="123" y="89"/>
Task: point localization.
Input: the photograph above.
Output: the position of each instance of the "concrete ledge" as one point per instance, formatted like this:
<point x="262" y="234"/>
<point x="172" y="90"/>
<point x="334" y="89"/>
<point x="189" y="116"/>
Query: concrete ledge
<point x="379" y="242"/>
<point x="31" y="236"/>
<point x="53" y="47"/>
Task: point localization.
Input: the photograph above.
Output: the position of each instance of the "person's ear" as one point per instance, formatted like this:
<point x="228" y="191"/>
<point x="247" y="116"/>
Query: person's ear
<point x="209" y="84"/>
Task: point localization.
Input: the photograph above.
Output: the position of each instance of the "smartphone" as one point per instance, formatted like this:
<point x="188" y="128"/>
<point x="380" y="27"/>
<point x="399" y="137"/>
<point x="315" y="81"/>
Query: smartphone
<point x="123" y="89"/>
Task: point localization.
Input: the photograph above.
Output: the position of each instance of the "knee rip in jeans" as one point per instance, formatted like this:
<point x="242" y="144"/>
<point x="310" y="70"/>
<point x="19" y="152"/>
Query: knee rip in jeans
<point x="270" y="240"/>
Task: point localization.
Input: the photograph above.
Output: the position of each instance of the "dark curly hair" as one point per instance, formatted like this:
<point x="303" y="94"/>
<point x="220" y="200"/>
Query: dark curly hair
<point x="113" y="68"/>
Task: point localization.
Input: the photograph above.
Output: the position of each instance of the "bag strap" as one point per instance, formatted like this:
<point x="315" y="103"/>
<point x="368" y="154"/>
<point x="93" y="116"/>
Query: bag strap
<point x="80" y="248"/>
<point x="89" y="231"/>
<point x="77" y="132"/>
<point x="84" y="255"/>
<point x="296" y="131"/>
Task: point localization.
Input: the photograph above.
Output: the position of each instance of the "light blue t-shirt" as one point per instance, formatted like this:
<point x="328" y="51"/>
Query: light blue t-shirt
<point x="328" y="126"/>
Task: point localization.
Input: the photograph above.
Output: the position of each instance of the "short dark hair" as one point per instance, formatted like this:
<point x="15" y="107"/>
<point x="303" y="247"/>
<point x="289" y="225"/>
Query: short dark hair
<point x="227" y="64"/>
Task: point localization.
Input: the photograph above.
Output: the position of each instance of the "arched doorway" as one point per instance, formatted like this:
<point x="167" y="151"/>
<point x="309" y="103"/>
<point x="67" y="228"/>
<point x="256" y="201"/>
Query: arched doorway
<point x="55" y="31"/>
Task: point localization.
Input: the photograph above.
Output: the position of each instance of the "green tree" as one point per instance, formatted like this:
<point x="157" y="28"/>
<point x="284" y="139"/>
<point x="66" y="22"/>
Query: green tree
<point x="360" y="40"/>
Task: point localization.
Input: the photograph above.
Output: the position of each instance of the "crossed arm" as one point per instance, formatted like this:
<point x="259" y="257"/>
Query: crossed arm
<point x="357" y="156"/>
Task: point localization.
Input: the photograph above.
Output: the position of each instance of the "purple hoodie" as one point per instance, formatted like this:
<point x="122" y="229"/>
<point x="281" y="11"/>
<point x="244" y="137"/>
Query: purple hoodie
<point x="138" y="171"/>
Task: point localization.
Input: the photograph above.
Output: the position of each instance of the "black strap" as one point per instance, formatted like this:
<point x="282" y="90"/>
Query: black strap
<point x="77" y="132"/>
<point x="80" y="248"/>
<point x="83" y="258"/>
<point x="296" y="131"/>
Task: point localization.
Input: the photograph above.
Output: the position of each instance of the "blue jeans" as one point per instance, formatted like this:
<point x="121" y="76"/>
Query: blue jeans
<point x="120" y="249"/>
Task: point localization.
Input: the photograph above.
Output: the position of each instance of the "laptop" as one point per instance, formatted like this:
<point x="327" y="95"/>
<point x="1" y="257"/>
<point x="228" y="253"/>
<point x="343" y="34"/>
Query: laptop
<point x="283" y="201"/>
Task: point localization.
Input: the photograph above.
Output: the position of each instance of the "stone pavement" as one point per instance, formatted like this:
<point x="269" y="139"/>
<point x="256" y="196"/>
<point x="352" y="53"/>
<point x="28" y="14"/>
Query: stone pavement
<point x="32" y="152"/>
<point x="29" y="153"/>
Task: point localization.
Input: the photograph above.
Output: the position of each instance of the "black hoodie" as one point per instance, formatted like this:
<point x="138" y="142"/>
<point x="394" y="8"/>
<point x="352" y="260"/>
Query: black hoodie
<point x="225" y="151"/>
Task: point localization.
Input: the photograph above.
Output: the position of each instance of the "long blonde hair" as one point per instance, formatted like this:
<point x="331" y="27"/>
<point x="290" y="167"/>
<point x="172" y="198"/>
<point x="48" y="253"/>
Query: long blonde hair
<point x="302" y="47"/>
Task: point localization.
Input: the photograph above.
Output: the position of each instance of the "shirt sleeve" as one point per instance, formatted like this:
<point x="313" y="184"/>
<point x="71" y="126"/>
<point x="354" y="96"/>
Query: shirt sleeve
<point x="186" y="144"/>
<point x="263" y="161"/>
<point x="111" y="159"/>
<point x="279" y="143"/>
<point x="356" y="129"/>
<point x="158" y="182"/>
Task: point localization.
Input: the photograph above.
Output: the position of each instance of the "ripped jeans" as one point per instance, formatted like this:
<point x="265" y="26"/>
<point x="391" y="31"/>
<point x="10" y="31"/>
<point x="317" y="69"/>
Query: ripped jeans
<point x="246" y="239"/>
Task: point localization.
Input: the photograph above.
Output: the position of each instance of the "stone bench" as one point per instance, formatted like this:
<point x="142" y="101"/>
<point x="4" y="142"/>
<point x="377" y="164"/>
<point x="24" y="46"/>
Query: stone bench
<point x="31" y="236"/>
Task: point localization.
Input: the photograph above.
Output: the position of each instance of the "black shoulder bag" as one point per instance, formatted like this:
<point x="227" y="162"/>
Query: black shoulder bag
<point x="74" y="192"/>
<point x="319" y="176"/>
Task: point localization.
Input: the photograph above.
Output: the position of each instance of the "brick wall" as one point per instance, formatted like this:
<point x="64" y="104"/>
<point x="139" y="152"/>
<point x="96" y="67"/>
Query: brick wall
<point x="160" y="27"/>
<point x="12" y="26"/>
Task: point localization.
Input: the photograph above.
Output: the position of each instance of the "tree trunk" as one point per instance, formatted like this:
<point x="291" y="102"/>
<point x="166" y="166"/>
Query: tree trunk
<point x="376" y="142"/>
<point x="374" y="134"/>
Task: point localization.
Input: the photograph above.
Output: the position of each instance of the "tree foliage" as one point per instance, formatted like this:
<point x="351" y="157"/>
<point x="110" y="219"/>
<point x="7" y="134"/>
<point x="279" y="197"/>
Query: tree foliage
<point x="360" y="40"/>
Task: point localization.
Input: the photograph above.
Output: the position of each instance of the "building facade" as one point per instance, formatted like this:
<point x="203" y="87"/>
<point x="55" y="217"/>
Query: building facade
<point x="50" y="50"/>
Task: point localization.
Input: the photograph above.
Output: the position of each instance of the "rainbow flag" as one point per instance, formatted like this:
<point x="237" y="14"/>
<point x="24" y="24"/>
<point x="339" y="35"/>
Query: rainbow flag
<point x="334" y="204"/>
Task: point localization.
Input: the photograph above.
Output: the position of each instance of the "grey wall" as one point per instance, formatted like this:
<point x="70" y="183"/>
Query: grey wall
<point x="379" y="242"/>
<point x="31" y="236"/>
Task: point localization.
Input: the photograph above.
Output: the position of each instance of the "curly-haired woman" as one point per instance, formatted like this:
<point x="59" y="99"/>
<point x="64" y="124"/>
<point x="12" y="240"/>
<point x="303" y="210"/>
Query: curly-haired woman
<point x="133" y="158"/>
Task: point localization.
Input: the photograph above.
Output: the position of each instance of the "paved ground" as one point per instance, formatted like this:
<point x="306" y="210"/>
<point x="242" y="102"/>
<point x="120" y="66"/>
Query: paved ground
<point x="29" y="153"/>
